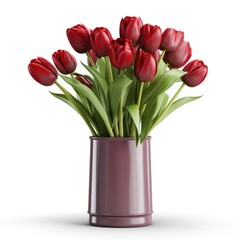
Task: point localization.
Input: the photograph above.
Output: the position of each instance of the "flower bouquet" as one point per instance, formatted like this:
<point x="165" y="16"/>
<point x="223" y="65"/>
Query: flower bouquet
<point x="123" y="96"/>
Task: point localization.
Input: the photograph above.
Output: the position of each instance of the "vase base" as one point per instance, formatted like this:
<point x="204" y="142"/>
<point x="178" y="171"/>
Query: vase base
<point x="116" y="221"/>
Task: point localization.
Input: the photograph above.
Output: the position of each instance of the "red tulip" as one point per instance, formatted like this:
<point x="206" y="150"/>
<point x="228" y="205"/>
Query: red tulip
<point x="196" y="73"/>
<point x="79" y="38"/>
<point x="101" y="38"/>
<point x="85" y="81"/>
<point x="145" y="66"/>
<point x="120" y="53"/>
<point x="180" y="56"/>
<point x="93" y="56"/>
<point x="150" y="38"/>
<point x="130" y="27"/>
<point x="64" y="61"/>
<point x="171" y="39"/>
<point x="42" y="71"/>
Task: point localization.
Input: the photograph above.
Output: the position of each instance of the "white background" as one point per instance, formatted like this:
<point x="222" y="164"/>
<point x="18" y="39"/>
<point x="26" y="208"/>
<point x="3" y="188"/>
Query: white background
<point x="44" y="145"/>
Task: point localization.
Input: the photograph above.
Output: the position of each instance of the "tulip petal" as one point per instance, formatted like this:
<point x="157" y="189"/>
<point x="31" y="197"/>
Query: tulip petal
<point x="68" y="61"/>
<point x="180" y="56"/>
<point x="41" y="74"/>
<point x="191" y="66"/>
<point x="150" y="38"/>
<point x="79" y="38"/>
<point x="124" y="59"/>
<point x="148" y="68"/>
<point x="48" y="65"/>
<point x="196" y="77"/>
<point x="58" y="63"/>
<point x="101" y="38"/>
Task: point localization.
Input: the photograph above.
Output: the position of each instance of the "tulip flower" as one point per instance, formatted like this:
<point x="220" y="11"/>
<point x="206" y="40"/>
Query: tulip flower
<point x="93" y="56"/>
<point x="43" y="71"/>
<point x="130" y="27"/>
<point x="101" y="39"/>
<point x="196" y="73"/>
<point x="145" y="66"/>
<point x="120" y="53"/>
<point x="79" y="38"/>
<point x="85" y="81"/>
<point x="171" y="39"/>
<point x="64" y="61"/>
<point x="150" y="38"/>
<point x="180" y="56"/>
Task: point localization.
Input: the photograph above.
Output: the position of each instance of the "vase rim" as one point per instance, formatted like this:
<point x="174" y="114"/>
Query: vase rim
<point x="116" y="138"/>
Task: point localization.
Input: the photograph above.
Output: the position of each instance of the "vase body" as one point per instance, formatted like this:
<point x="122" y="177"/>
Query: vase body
<point x="120" y="191"/>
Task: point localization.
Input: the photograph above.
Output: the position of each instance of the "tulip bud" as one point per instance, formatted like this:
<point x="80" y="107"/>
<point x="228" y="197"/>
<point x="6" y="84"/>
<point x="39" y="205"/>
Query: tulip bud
<point x="64" y="61"/>
<point x="101" y="38"/>
<point x="42" y="71"/>
<point x="171" y="39"/>
<point x="130" y="27"/>
<point x="93" y="56"/>
<point x="180" y="56"/>
<point x="79" y="38"/>
<point x="85" y="81"/>
<point x="145" y="66"/>
<point x="120" y="53"/>
<point x="196" y="73"/>
<point x="150" y="38"/>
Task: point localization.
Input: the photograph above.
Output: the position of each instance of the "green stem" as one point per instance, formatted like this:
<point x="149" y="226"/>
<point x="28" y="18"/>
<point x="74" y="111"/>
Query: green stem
<point x="91" y="60"/>
<point x="161" y="58"/>
<point x="143" y="109"/>
<point x="121" y="117"/>
<point x="73" y="102"/>
<point x="133" y="131"/>
<point x="144" y="106"/>
<point x="109" y="67"/>
<point x="121" y="131"/>
<point x="115" y="125"/>
<point x="168" y="106"/>
<point x="140" y="94"/>
<point x="162" y="55"/>
<point x="139" y="98"/>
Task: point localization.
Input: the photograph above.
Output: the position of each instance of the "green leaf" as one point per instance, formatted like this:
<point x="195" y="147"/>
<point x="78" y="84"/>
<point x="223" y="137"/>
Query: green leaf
<point x="163" y="84"/>
<point x="151" y="111"/>
<point x="134" y="113"/>
<point x="81" y="109"/>
<point x="180" y="102"/>
<point x="103" y="132"/>
<point x="131" y="93"/>
<point x="117" y="89"/>
<point x="101" y="66"/>
<point x="100" y="79"/>
<point x="161" y="69"/>
<point x="163" y="105"/>
<point x="63" y="98"/>
<point x="87" y="92"/>
<point x="130" y="72"/>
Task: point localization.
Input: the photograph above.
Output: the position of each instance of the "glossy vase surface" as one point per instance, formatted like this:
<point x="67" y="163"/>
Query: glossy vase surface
<point x="120" y="192"/>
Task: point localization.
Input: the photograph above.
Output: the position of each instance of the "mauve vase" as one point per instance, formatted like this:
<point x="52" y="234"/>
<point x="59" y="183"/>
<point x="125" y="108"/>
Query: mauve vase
<point x="120" y="191"/>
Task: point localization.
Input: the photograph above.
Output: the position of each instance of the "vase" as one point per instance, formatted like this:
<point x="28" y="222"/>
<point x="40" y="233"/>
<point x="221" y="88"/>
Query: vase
<point x="120" y="191"/>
